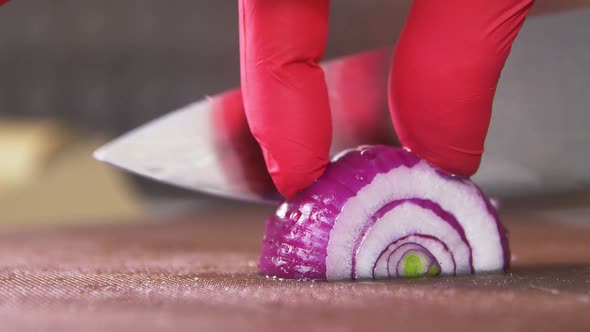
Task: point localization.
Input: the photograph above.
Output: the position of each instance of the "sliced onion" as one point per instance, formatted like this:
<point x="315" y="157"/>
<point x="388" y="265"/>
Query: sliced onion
<point x="382" y="212"/>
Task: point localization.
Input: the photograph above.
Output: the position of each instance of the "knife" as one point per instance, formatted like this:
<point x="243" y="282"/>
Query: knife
<point x="537" y="142"/>
<point x="207" y="146"/>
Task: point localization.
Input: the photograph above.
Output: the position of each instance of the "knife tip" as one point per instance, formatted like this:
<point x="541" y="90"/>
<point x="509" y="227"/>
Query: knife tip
<point x="100" y="154"/>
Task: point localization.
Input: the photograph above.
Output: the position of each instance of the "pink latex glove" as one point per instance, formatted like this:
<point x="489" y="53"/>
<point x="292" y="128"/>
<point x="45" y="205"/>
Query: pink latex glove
<point x="445" y="70"/>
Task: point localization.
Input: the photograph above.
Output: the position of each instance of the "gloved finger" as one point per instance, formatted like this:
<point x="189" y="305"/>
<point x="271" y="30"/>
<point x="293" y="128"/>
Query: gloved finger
<point x="445" y="70"/>
<point x="284" y="91"/>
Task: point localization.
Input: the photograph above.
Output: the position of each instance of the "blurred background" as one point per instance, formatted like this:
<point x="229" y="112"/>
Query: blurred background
<point x="74" y="74"/>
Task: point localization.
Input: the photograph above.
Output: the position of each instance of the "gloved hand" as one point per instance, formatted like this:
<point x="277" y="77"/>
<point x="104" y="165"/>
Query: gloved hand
<point x="445" y="70"/>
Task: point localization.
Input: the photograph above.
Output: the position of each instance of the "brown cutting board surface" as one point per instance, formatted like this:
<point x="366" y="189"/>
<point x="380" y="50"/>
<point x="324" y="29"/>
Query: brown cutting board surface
<point x="199" y="273"/>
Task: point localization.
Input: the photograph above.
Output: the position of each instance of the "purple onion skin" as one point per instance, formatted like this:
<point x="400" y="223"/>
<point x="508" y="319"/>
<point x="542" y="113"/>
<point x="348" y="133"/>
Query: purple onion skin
<point x="296" y="236"/>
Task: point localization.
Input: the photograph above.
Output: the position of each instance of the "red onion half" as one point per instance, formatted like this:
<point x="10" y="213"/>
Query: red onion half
<point x="382" y="212"/>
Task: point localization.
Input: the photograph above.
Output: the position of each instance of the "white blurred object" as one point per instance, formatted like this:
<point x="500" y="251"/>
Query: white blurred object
<point x="539" y="139"/>
<point x="537" y="143"/>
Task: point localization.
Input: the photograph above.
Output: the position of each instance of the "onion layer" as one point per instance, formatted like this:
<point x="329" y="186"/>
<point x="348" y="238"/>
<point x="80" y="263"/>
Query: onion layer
<point x="382" y="212"/>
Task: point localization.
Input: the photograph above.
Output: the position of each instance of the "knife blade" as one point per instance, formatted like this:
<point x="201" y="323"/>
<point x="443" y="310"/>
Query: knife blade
<point x="207" y="146"/>
<point x="537" y="142"/>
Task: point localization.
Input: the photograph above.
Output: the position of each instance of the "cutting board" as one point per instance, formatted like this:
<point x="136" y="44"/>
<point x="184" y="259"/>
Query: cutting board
<point x="197" y="271"/>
